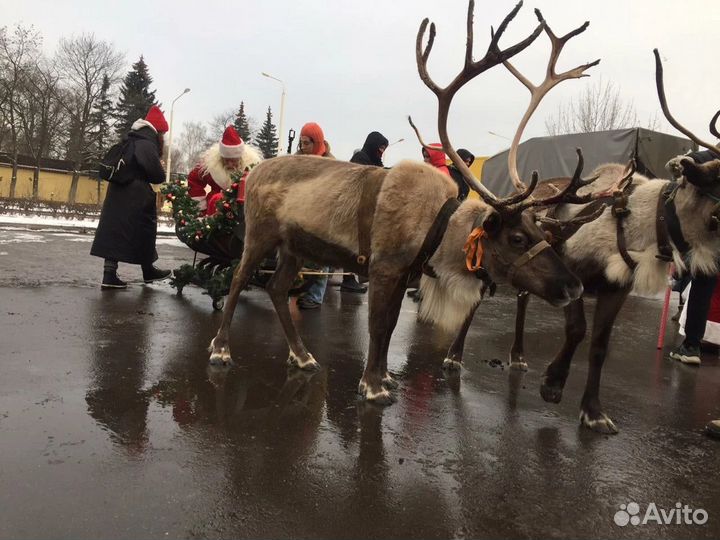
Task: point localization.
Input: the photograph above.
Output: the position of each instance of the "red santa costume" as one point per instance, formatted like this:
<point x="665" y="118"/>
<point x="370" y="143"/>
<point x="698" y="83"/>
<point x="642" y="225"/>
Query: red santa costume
<point x="210" y="176"/>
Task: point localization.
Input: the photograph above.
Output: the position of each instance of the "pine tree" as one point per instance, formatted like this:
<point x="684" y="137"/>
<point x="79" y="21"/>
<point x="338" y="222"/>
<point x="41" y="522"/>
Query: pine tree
<point x="101" y="119"/>
<point x="135" y="97"/>
<point x="267" y="139"/>
<point x="241" y="123"/>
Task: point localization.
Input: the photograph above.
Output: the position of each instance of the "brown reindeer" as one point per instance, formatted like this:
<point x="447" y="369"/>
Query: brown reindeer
<point x="648" y="225"/>
<point x="389" y="225"/>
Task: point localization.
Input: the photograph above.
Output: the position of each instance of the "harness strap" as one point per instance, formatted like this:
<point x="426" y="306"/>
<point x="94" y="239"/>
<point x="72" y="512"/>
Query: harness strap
<point x="371" y="185"/>
<point x="526" y="257"/>
<point x="434" y="236"/>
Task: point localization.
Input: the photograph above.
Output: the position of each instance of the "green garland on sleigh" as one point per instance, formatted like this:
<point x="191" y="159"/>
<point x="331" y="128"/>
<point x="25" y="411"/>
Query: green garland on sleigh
<point x="192" y="228"/>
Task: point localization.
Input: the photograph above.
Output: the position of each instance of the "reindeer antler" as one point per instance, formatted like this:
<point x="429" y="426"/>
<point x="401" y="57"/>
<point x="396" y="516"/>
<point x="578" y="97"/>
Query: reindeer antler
<point x="471" y="69"/>
<point x="569" y="193"/>
<point x="538" y="92"/>
<point x="666" y="111"/>
<point x="713" y="125"/>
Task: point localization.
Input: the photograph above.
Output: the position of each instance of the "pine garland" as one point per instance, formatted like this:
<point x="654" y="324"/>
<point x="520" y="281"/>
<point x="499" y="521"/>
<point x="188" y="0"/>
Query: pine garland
<point x="191" y="227"/>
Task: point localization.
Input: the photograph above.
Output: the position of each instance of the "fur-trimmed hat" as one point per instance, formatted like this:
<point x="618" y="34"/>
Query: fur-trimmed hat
<point x="156" y="118"/>
<point x="231" y="144"/>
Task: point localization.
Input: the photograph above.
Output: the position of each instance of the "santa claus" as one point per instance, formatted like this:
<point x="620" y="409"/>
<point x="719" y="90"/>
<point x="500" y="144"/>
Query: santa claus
<point x="219" y="167"/>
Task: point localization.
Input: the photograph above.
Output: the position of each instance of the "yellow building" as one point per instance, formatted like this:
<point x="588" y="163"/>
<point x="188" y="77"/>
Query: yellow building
<point x="53" y="185"/>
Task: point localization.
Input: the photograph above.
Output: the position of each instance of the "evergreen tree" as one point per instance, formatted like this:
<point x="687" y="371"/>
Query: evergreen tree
<point x="267" y="139"/>
<point x="102" y="119"/>
<point x="135" y="97"/>
<point x="241" y="123"/>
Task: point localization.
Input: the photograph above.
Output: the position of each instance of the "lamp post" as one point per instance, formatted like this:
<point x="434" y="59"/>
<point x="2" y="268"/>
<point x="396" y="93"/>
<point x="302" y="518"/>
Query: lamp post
<point x="281" y="129"/>
<point x="169" y="159"/>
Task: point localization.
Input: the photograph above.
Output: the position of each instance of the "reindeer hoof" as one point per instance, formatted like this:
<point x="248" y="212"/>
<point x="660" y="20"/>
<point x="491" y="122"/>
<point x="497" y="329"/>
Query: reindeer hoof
<point x="383" y="397"/>
<point x="308" y="364"/>
<point x="551" y="394"/>
<point x="389" y="383"/>
<point x="519" y="366"/>
<point x="452" y="365"/>
<point x="599" y="422"/>
<point x="219" y="356"/>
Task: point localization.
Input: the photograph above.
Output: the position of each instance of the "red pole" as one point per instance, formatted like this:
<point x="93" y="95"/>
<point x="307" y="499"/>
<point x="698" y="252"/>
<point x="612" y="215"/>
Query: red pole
<point x="664" y="316"/>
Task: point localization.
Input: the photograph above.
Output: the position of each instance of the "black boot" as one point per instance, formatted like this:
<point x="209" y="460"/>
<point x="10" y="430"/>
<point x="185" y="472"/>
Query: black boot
<point x="350" y="284"/>
<point x="111" y="281"/>
<point x="150" y="274"/>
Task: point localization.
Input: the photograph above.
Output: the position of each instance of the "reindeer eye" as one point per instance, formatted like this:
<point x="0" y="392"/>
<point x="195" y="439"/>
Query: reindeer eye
<point x="517" y="240"/>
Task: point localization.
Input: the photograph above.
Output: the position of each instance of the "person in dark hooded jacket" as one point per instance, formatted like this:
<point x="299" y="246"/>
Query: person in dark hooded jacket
<point x="372" y="151"/>
<point x="463" y="189"/>
<point x="128" y="221"/>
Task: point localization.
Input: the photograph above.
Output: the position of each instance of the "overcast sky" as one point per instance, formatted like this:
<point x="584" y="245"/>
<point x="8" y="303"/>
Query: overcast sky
<point x="350" y="65"/>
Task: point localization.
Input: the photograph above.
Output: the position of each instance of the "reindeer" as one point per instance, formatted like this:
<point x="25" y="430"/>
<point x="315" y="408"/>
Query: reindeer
<point x="389" y="225"/>
<point x="649" y="224"/>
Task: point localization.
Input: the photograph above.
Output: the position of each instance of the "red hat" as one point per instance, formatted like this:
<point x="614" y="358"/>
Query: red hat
<point x="157" y="120"/>
<point x="315" y="133"/>
<point x="231" y="144"/>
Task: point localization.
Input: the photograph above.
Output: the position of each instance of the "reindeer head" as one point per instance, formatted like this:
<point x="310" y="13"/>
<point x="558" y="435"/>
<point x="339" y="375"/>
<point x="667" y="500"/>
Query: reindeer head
<point x="513" y="247"/>
<point x="704" y="176"/>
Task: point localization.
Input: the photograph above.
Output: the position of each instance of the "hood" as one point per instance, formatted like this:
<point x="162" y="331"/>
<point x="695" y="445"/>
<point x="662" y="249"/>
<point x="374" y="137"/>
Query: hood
<point x="372" y="145"/>
<point x="437" y="157"/>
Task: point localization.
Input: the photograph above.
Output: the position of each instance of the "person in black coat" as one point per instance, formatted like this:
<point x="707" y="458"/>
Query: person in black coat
<point x="128" y="221"/>
<point x="372" y="151"/>
<point x="463" y="189"/>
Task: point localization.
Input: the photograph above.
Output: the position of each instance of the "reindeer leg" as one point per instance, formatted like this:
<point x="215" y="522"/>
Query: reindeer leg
<point x="252" y="256"/>
<point x="278" y="286"/>
<point x="453" y="360"/>
<point x="394" y="306"/>
<point x="608" y="306"/>
<point x="517" y="352"/>
<point x="557" y="371"/>
<point x="383" y="318"/>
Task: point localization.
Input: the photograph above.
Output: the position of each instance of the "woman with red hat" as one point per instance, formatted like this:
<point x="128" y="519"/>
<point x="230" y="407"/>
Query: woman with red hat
<point x="128" y="221"/>
<point x="214" y="171"/>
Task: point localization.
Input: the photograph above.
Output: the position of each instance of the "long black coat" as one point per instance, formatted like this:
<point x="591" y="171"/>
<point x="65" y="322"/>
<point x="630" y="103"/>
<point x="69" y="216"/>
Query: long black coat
<point x="128" y="222"/>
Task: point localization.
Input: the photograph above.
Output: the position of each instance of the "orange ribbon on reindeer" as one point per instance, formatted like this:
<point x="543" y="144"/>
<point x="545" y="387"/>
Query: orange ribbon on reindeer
<point x="474" y="250"/>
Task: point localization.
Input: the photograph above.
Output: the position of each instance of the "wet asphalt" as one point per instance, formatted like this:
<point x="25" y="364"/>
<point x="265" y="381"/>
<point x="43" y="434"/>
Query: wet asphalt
<point x="113" y="426"/>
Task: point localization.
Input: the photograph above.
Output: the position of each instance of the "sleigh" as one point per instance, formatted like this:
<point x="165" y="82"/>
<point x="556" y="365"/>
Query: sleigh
<point x="220" y="254"/>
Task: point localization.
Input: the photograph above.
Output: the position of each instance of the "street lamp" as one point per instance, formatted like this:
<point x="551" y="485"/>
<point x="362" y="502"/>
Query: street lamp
<point x="169" y="159"/>
<point x="281" y="133"/>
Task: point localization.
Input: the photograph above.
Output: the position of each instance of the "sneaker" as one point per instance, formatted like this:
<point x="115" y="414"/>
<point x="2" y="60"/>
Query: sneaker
<point x="306" y="303"/>
<point x="686" y="355"/>
<point x="350" y="284"/>
<point x="712" y="429"/>
<point x="111" y="281"/>
<point x="154" y="274"/>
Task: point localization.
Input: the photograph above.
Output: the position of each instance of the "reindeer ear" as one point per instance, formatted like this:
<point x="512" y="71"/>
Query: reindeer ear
<point x="492" y="223"/>
<point x="696" y="174"/>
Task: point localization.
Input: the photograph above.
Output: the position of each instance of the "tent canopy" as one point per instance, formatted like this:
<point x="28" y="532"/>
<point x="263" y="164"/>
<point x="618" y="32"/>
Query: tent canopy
<point x="555" y="156"/>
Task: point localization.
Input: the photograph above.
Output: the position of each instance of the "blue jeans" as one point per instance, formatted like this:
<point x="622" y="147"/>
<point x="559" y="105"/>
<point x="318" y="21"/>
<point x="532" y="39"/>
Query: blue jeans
<point x="318" y="284"/>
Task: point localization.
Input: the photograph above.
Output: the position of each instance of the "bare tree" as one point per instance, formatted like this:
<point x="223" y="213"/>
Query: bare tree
<point x="84" y="61"/>
<point x="193" y="141"/>
<point x="599" y="108"/>
<point x="219" y="122"/>
<point x="40" y="114"/>
<point x="19" y="51"/>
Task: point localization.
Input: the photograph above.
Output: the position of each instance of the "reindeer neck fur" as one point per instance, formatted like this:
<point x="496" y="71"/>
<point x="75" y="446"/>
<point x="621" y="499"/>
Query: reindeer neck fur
<point x="448" y="299"/>
<point x="593" y="249"/>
